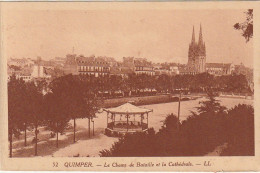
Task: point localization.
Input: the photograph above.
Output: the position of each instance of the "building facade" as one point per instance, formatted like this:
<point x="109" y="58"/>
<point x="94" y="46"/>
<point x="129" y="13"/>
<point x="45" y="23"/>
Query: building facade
<point x="142" y="66"/>
<point x="92" y="66"/>
<point x="219" y="69"/>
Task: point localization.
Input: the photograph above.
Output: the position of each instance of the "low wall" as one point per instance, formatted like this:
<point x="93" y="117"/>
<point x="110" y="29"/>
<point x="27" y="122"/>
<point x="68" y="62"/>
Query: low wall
<point x="144" y="100"/>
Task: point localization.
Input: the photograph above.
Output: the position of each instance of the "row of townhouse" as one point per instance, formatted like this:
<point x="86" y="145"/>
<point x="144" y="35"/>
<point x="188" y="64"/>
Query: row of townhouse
<point x="103" y="66"/>
<point x="92" y="66"/>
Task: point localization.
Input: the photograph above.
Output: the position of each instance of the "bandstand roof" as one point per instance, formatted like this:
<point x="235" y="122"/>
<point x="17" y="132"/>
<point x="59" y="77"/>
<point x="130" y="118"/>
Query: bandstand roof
<point x="128" y="108"/>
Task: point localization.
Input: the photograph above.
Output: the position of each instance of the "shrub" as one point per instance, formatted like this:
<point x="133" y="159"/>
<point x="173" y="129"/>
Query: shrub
<point x="240" y="133"/>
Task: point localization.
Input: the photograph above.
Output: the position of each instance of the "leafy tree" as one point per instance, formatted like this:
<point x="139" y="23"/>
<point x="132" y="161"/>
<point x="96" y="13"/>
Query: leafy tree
<point x="55" y="114"/>
<point x="163" y="83"/>
<point x="125" y="87"/>
<point x="170" y="123"/>
<point x="114" y="84"/>
<point x="138" y="144"/>
<point x="35" y="108"/>
<point x="204" y="80"/>
<point x="240" y="132"/>
<point x="237" y="83"/>
<point x="64" y="96"/>
<point x="168" y="138"/>
<point x="16" y="108"/>
<point x="246" y="26"/>
<point x="77" y="100"/>
<point x="88" y="103"/>
<point x="132" y="81"/>
<point x="211" y="105"/>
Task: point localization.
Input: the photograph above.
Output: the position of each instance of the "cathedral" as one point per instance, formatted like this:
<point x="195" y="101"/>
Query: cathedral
<point x="197" y="54"/>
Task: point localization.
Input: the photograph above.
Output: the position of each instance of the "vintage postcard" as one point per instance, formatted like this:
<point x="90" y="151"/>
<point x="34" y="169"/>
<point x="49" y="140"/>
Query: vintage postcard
<point x="130" y="86"/>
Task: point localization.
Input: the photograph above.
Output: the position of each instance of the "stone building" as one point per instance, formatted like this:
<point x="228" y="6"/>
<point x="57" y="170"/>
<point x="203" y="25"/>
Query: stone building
<point x="93" y="66"/>
<point x="142" y="66"/>
<point x="219" y="69"/>
<point x="196" y="55"/>
<point x="139" y="65"/>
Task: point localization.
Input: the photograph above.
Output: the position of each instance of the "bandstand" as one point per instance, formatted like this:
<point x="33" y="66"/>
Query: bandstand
<point x="126" y="118"/>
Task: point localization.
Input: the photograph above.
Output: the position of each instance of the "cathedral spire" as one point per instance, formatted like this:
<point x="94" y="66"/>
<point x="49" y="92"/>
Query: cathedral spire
<point x="193" y="36"/>
<point x="200" y="37"/>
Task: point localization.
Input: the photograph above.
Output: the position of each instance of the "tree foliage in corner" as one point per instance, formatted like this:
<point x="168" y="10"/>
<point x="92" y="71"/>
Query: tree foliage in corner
<point x="246" y="26"/>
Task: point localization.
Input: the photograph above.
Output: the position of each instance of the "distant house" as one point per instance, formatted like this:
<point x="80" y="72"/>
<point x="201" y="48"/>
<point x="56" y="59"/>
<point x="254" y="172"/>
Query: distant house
<point x="142" y="66"/>
<point x="24" y="62"/>
<point x="40" y="71"/>
<point x="165" y="68"/>
<point x="219" y="69"/>
<point x="70" y="65"/>
<point x="93" y="66"/>
<point x="174" y="70"/>
<point x="138" y="65"/>
<point x="157" y="66"/>
<point x="24" y="74"/>
<point x="128" y="62"/>
<point x="81" y="65"/>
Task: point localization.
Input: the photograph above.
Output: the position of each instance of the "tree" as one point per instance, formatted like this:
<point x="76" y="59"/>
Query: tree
<point x="246" y="26"/>
<point x="204" y="80"/>
<point x="169" y="137"/>
<point x="237" y="83"/>
<point x="114" y="83"/>
<point x="35" y="109"/>
<point x="211" y="105"/>
<point x="55" y="114"/>
<point x="125" y="87"/>
<point x="26" y="118"/>
<point x="138" y="144"/>
<point x="163" y="83"/>
<point x="65" y="98"/>
<point x="132" y="82"/>
<point x="240" y="131"/>
<point x="170" y="123"/>
<point x="205" y="128"/>
<point x="77" y="100"/>
<point x="16" y="107"/>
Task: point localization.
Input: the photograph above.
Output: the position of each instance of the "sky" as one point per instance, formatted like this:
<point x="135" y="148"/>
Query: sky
<point x="157" y="34"/>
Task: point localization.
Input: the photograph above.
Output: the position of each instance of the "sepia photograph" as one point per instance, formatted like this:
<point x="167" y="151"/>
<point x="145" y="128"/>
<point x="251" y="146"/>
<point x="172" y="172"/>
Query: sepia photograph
<point x="91" y="81"/>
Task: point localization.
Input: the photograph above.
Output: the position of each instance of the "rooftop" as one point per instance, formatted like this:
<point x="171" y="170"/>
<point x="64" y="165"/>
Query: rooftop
<point x="217" y="65"/>
<point x="128" y="108"/>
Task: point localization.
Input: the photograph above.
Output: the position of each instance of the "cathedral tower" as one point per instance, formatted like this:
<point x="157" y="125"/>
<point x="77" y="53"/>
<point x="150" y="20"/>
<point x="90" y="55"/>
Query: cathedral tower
<point x="197" y="54"/>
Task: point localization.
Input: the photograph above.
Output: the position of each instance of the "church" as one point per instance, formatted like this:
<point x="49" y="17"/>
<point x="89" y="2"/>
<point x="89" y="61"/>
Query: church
<point x="197" y="54"/>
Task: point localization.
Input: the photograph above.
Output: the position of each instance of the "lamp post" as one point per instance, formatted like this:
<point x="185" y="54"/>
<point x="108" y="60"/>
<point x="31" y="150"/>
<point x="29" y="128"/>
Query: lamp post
<point x="179" y="109"/>
<point x="92" y="120"/>
<point x="89" y="127"/>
